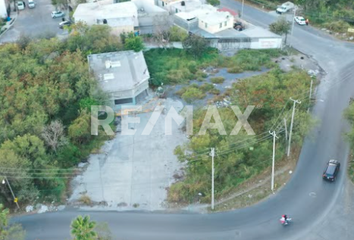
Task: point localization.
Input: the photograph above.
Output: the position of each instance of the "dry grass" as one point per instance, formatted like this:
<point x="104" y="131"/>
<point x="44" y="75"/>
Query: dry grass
<point x="84" y="199"/>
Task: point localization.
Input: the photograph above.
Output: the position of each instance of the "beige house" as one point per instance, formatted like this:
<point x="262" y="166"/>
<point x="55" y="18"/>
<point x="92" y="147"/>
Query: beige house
<point x="215" y="21"/>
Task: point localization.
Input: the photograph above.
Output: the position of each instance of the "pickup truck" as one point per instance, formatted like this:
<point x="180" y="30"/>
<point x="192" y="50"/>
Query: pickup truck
<point x="285" y="7"/>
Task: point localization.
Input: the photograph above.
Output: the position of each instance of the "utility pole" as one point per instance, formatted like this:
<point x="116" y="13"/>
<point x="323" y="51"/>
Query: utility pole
<point x="212" y="177"/>
<point x="273" y="161"/>
<point x="292" y="122"/>
<point x="243" y="3"/>
<point x="292" y="28"/>
<point x="13" y="195"/>
<point x="286" y="130"/>
<point x="308" y="110"/>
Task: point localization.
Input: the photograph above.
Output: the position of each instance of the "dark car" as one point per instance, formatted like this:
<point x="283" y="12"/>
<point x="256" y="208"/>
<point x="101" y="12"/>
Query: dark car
<point x="331" y="171"/>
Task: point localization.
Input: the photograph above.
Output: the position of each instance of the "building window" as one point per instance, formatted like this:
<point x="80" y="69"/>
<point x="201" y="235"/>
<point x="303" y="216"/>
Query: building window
<point x="220" y="25"/>
<point x="163" y="4"/>
<point x="176" y="10"/>
<point x="225" y="23"/>
<point x="123" y="101"/>
<point x="206" y="25"/>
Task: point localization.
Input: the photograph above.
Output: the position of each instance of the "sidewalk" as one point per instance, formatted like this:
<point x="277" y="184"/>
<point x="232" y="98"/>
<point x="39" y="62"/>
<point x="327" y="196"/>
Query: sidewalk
<point x="9" y="24"/>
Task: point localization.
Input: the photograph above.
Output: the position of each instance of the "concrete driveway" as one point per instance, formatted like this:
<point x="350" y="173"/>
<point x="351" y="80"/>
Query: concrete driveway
<point x="132" y="172"/>
<point x="34" y="22"/>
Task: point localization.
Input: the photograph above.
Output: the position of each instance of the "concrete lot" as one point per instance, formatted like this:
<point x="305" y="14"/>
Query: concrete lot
<point x="34" y="22"/>
<point x="133" y="172"/>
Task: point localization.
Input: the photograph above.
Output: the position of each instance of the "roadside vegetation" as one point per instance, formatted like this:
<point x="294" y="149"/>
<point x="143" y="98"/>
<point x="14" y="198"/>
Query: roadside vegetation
<point x="241" y="157"/>
<point x="349" y="115"/>
<point x="9" y="231"/>
<point x="46" y="93"/>
<point x="334" y="15"/>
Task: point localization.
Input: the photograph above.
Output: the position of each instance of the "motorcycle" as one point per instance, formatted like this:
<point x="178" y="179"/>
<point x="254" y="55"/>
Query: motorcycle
<point x="285" y="222"/>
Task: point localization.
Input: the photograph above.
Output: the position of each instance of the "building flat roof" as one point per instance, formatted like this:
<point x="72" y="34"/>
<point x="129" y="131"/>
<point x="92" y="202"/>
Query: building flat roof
<point x="251" y="32"/>
<point x="119" y="71"/>
<point x="188" y="5"/>
<point x="90" y="12"/>
<point x="186" y="15"/>
<point x="213" y="18"/>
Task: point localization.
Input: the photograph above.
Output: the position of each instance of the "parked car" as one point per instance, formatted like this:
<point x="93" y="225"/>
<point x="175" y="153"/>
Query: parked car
<point x="64" y="23"/>
<point x="57" y="14"/>
<point x="300" y="20"/>
<point x="285" y="7"/>
<point x="331" y="171"/>
<point x="31" y="4"/>
<point x="20" y="5"/>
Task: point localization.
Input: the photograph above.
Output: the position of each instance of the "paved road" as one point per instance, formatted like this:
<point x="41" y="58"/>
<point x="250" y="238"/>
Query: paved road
<point x="33" y="22"/>
<point x="320" y="210"/>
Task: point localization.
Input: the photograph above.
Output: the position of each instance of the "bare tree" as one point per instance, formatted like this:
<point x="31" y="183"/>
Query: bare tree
<point x="162" y="24"/>
<point x="53" y="135"/>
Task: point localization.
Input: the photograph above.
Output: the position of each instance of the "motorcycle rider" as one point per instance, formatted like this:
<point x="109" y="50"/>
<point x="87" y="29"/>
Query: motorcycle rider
<point x="284" y="219"/>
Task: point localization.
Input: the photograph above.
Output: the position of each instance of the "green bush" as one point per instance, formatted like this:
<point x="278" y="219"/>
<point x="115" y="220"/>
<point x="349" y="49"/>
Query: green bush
<point x="214" y="91"/>
<point x="235" y="69"/>
<point x="191" y="94"/>
<point x="206" y="87"/>
<point x="217" y="79"/>
<point x="337" y="26"/>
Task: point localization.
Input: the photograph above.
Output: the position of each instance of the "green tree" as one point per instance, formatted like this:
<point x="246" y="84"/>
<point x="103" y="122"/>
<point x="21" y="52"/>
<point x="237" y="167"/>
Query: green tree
<point x="92" y="39"/>
<point x="132" y="42"/>
<point x="80" y="129"/>
<point x="28" y="147"/>
<point x="82" y="228"/>
<point x="9" y="232"/>
<point x="281" y="27"/>
<point x="177" y="34"/>
<point x="195" y="45"/>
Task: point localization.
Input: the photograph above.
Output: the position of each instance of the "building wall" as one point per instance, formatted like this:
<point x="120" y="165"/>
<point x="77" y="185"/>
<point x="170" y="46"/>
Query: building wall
<point x="122" y="29"/>
<point x="245" y="43"/>
<point x="266" y="43"/>
<point x="129" y="94"/>
<point x="214" y="28"/>
<point x="3" y="6"/>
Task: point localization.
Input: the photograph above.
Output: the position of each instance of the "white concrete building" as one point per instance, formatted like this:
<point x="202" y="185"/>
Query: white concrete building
<point x="121" y="17"/>
<point x="4" y="5"/>
<point x="124" y="75"/>
<point x="151" y="16"/>
<point x="207" y="18"/>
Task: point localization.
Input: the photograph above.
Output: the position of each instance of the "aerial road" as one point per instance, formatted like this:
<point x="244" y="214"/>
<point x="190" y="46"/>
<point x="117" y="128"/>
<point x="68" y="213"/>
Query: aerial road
<point x="314" y="205"/>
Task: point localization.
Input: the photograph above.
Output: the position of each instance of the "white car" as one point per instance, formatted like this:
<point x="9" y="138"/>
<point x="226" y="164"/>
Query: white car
<point x="31" y="4"/>
<point x="57" y="14"/>
<point x="20" y="5"/>
<point x="300" y="20"/>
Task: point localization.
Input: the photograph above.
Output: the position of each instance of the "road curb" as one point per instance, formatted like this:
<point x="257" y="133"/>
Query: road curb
<point x="11" y="24"/>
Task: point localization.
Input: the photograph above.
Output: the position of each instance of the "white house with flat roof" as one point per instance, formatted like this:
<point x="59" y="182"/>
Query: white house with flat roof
<point x="207" y="18"/>
<point x="121" y="17"/>
<point x="123" y="75"/>
<point x="214" y="22"/>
